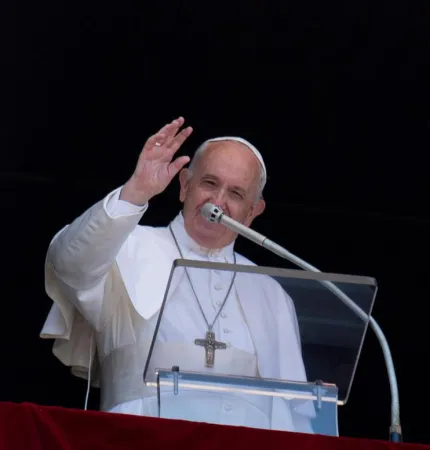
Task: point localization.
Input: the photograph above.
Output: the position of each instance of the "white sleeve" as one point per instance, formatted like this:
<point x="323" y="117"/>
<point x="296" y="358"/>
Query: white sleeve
<point x="77" y="265"/>
<point x="116" y="207"/>
<point x="82" y="252"/>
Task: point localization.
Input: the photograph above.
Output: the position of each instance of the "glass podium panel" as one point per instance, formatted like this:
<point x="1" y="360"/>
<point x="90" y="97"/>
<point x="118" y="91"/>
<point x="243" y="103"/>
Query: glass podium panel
<point x="174" y="388"/>
<point x="284" y="348"/>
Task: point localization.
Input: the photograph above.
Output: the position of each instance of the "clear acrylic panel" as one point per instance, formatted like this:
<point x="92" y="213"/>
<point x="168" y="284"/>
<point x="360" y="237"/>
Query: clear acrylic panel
<point x="177" y="391"/>
<point x="278" y="324"/>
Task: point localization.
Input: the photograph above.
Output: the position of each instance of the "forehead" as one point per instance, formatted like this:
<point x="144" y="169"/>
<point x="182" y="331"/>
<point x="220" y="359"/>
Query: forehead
<point x="230" y="160"/>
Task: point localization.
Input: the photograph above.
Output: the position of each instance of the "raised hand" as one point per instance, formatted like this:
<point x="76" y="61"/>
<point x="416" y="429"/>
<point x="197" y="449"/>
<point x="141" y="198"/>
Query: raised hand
<point x="155" y="168"/>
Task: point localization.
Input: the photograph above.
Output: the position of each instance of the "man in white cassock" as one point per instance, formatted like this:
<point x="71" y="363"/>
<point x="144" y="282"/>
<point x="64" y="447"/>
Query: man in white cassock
<point x="107" y="277"/>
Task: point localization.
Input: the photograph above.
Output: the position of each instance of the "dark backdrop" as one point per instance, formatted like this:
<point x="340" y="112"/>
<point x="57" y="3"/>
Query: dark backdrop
<point x="335" y="95"/>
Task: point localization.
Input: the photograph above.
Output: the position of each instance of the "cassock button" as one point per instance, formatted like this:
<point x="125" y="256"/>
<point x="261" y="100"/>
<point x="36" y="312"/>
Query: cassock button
<point x="223" y="315"/>
<point x="218" y="286"/>
<point x="228" y="408"/>
<point x="226" y="330"/>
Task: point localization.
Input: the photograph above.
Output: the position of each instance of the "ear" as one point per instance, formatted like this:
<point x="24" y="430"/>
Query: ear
<point x="257" y="209"/>
<point x="184" y="179"/>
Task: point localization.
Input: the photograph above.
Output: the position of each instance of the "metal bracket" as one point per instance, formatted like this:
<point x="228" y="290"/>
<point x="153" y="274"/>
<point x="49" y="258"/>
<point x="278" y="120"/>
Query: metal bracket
<point x="319" y="392"/>
<point x="175" y="371"/>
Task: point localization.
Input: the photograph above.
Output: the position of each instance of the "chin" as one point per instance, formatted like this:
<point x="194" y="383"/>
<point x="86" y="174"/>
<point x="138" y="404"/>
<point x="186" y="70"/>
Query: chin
<point x="207" y="231"/>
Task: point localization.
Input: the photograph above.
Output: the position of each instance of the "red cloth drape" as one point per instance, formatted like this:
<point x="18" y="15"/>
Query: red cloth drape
<point x="31" y="427"/>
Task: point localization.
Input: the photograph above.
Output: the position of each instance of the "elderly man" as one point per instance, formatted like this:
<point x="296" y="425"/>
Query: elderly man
<point x="107" y="276"/>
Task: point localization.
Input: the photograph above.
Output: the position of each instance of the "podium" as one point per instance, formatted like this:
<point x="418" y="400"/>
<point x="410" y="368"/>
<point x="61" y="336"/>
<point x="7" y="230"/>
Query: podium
<point x="281" y="355"/>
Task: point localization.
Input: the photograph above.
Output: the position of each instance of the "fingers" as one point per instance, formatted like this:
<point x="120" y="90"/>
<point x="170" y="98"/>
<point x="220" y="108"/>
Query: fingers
<point x="155" y="140"/>
<point x="172" y="128"/>
<point x="177" y="142"/>
<point x="166" y="135"/>
<point x="177" y="165"/>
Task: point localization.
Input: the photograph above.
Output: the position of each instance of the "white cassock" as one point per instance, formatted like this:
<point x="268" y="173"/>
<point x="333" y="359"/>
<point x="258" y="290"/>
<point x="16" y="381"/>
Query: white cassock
<point x="107" y="277"/>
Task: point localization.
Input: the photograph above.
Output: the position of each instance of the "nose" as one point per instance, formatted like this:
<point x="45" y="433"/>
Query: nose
<point x="219" y="199"/>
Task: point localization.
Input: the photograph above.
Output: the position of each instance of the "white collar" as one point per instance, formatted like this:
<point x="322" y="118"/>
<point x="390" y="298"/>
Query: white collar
<point x="188" y="245"/>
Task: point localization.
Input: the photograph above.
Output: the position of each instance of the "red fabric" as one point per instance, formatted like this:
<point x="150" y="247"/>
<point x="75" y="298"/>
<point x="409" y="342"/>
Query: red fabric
<point x="31" y="427"/>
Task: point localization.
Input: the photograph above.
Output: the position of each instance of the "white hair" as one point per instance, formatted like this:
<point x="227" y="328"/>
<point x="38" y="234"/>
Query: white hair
<point x="203" y="147"/>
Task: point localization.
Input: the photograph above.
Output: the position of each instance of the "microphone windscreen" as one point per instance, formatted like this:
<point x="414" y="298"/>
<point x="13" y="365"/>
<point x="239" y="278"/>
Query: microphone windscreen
<point x="211" y="212"/>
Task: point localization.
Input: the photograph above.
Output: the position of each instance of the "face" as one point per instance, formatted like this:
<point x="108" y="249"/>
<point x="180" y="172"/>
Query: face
<point x="228" y="175"/>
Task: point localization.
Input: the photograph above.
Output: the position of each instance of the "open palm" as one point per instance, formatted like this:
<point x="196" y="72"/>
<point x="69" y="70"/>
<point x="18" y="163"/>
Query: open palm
<point x="156" y="168"/>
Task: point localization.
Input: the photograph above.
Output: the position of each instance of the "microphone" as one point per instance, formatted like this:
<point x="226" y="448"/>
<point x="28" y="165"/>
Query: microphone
<point x="215" y="214"/>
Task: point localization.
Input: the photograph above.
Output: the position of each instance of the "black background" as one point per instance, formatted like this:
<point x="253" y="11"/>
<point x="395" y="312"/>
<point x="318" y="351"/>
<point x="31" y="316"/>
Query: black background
<point x="334" y="94"/>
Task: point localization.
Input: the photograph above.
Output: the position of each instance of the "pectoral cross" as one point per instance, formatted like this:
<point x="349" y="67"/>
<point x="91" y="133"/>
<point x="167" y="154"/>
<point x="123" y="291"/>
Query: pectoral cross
<point x="210" y="345"/>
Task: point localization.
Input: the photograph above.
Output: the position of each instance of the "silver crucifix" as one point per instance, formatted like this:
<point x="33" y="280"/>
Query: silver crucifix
<point x="210" y="344"/>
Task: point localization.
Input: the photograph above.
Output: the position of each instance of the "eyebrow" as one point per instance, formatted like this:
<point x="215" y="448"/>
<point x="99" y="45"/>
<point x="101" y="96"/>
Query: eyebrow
<point x="208" y="175"/>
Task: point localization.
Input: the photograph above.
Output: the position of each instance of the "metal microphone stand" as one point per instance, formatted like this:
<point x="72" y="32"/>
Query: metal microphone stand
<point x="214" y="214"/>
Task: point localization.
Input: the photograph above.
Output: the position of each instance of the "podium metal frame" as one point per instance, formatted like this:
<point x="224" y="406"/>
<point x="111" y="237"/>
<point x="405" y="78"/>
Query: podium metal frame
<point x="319" y="391"/>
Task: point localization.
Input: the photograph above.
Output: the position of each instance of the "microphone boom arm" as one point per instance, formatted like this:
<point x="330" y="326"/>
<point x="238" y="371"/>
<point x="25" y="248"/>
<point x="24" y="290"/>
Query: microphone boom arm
<point x="214" y="214"/>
